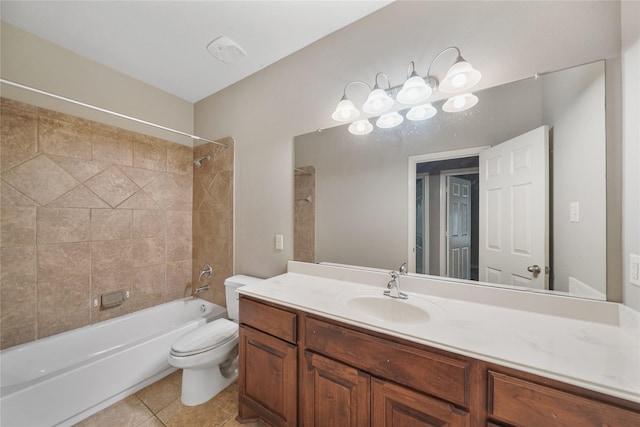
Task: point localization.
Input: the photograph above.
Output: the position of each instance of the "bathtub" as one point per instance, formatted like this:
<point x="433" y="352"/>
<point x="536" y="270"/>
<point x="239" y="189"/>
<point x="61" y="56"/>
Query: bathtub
<point x="64" y="378"/>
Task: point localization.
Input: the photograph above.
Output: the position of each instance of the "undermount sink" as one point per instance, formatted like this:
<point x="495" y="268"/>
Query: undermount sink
<point x="387" y="309"/>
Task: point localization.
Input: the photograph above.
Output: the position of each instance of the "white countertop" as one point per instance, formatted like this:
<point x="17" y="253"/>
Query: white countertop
<point x="600" y="356"/>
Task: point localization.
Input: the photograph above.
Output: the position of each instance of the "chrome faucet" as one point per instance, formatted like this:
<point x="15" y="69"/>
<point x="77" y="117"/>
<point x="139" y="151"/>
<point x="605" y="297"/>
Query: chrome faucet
<point x="394" y="284"/>
<point x="206" y="271"/>
<point x="201" y="289"/>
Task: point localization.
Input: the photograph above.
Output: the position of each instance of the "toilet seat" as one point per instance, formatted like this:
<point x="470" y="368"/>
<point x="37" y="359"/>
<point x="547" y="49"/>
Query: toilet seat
<point x="205" y="338"/>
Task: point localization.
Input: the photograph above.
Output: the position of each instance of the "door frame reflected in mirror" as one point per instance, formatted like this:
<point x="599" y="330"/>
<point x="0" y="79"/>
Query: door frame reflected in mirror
<point x="413" y="163"/>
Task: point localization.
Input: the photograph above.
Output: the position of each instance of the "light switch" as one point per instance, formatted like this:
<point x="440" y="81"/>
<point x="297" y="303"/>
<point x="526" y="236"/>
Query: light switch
<point x="279" y="242"/>
<point x="634" y="269"/>
<point x="574" y="212"/>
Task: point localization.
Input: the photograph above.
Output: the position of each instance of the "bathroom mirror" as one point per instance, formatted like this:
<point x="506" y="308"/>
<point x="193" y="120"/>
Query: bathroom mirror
<point x="384" y="198"/>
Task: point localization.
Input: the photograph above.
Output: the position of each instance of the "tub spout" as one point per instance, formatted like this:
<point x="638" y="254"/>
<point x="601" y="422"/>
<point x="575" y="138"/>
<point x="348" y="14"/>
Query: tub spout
<point x="201" y="289"/>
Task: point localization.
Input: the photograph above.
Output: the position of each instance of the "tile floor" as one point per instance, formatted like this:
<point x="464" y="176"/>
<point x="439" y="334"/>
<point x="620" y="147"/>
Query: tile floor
<point x="158" y="405"/>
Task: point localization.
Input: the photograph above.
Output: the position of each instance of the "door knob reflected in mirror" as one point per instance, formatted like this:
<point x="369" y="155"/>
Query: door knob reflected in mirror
<point x="535" y="269"/>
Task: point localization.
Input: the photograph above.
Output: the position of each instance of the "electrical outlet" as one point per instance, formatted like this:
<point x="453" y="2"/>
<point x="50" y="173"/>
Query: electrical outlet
<point x="279" y="242"/>
<point x="634" y="269"/>
<point x="574" y="212"/>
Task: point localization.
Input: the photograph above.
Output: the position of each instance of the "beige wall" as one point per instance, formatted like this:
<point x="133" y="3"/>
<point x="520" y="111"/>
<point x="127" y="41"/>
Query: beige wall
<point x="573" y="104"/>
<point x="630" y="144"/>
<point x="32" y="61"/>
<point x="87" y="209"/>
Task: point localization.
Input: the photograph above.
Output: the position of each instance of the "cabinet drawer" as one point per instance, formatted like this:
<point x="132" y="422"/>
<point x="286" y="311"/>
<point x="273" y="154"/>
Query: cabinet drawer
<point x="269" y="319"/>
<point x="524" y="403"/>
<point x="437" y="375"/>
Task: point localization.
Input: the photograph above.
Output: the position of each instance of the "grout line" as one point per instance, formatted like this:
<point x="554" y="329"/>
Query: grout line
<point x="153" y="414"/>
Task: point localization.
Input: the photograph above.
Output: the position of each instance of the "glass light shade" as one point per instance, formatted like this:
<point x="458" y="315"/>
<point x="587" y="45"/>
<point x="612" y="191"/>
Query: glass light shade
<point x="460" y="77"/>
<point x="345" y="111"/>
<point x="421" y="112"/>
<point x="414" y="90"/>
<point x="377" y="102"/>
<point x="389" y="120"/>
<point x="361" y="127"/>
<point x="460" y="103"/>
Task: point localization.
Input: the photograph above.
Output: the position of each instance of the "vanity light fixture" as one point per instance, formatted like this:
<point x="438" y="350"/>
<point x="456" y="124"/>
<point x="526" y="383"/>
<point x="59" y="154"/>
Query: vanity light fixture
<point x="421" y="112"/>
<point x="415" y="89"/>
<point x="378" y="100"/>
<point x="346" y="110"/>
<point x="389" y="120"/>
<point x="460" y="77"/>
<point x="459" y="103"/>
<point x="361" y="127"/>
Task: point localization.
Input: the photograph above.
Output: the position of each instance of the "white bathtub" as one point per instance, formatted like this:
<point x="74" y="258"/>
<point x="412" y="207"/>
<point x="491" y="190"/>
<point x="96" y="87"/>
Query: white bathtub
<point x="63" y="379"/>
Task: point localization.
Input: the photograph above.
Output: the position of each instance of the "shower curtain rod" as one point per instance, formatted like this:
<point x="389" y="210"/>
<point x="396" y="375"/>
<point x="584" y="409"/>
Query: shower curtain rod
<point x="113" y="113"/>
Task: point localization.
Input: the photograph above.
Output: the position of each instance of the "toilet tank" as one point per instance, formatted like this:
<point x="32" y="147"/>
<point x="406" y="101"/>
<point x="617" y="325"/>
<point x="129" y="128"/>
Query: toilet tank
<point x="230" y="286"/>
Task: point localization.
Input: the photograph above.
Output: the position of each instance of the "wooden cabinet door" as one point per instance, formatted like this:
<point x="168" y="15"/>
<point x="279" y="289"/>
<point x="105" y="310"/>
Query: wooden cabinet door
<point x="335" y="395"/>
<point x="267" y="378"/>
<point x="395" y="406"/>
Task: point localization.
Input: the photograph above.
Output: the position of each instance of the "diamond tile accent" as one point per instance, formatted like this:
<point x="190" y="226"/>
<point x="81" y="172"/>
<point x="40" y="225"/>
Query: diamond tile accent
<point x="40" y="179"/>
<point x="112" y="186"/>
<point x="79" y="197"/>
<point x="80" y="169"/>
<point x="140" y="200"/>
<point x="141" y="177"/>
<point x="9" y="196"/>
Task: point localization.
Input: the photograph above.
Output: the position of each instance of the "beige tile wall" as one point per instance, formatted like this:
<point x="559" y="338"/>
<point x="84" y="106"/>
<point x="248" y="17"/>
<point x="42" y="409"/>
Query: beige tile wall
<point x="304" y="232"/>
<point x="87" y="208"/>
<point x="213" y="217"/>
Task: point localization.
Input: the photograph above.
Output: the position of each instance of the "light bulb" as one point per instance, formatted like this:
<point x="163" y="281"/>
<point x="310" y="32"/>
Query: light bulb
<point x="421" y="112"/>
<point x="414" y="90"/>
<point x="460" y="76"/>
<point x="377" y="102"/>
<point x="389" y="120"/>
<point x="345" y="111"/>
<point x="458" y="80"/>
<point x="361" y="127"/>
<point x="460" y="103"/>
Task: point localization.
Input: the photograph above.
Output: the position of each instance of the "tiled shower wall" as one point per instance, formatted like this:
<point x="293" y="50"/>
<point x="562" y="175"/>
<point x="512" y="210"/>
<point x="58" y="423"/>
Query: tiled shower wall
<point x="304" y="232"/>
<point x="88" y="209"/>
<point x="213" y="218"/>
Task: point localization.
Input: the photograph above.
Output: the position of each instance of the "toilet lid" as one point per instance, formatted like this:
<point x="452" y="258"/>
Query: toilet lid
<point x="205" y="337"/>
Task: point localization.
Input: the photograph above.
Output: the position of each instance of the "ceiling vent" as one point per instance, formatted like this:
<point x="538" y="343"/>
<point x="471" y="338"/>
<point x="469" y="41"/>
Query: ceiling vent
<point x="226" y="50"/>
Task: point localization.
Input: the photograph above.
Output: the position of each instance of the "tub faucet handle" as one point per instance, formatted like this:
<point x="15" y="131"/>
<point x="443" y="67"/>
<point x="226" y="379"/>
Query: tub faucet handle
<point x="207" y="271"/>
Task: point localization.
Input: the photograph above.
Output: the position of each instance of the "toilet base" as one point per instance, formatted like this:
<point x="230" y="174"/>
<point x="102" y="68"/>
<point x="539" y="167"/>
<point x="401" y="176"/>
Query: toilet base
<point x="200" y="385"/>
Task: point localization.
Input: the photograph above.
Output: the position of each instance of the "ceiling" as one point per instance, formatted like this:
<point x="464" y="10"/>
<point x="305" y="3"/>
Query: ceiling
<point x="164" y="43"/>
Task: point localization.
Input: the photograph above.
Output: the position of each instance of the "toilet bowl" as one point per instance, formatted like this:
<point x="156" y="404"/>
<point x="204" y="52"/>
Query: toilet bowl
<point x="208" y="354"/>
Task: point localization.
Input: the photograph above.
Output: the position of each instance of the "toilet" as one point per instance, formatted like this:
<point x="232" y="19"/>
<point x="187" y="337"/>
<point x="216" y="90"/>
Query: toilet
<point x="208" y="355"/>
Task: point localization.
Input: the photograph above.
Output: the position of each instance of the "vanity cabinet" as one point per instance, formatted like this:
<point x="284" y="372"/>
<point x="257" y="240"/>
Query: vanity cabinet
<point x="525" y="403"/>
<point x="335" y="394"/>
<point x="268" y="363"/>
<point x="347" y="370"/>
<point x="302" y="369"/>
<point x="396" y="406"/>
